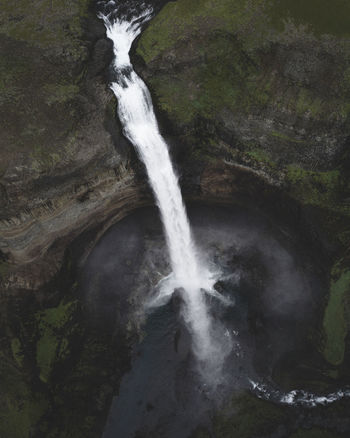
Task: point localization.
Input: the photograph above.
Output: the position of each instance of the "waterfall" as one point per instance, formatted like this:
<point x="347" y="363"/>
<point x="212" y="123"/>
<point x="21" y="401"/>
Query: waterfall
<point x="140" y="126"/>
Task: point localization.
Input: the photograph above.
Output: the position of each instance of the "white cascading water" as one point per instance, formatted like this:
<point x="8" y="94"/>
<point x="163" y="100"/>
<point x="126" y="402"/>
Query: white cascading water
<point x="136" y="114"/>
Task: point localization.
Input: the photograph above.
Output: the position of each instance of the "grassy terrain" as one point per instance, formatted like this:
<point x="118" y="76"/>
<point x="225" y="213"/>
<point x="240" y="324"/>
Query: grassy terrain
<point x="248" y="417"/>
<point x="336" y="318"/>
<point x="57" y="374"/>
<point x="314" y="433"/>
<point x="45" y="23"/>
<point x="172" y="24"/>
<point x="226" y="62"/>
<point x="43" y="52"/>
<point x="52" y="346"/>
<point x="321" y="16"/>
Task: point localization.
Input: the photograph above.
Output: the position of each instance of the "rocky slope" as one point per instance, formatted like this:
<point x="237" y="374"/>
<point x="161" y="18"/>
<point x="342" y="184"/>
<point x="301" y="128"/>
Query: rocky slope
<point x="64" y="166"/>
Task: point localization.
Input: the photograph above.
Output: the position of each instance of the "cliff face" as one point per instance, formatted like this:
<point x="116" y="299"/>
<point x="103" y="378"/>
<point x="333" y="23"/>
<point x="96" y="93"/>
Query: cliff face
<point x="64" y="166"/>
<point x="259" y="91"/>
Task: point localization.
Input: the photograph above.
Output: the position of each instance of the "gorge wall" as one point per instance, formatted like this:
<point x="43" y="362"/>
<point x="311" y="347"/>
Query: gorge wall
<point x="253" y="98"/>
<point x="64" y="165"/>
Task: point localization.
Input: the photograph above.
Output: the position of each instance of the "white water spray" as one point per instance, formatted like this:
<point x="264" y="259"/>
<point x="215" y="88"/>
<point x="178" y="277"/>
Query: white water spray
<point x="136" y="114"/>
<point x="298" y="396"/>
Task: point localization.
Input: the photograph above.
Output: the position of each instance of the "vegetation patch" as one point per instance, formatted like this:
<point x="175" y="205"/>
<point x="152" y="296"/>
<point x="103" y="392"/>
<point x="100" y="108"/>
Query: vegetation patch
<point x="314" y="188"/>
<point x="313" y="433"/>
<point x="221" y="57"/>
<point x="51" y="344"/>
<point x="46" y="24"/>
<point x="21" y="407"/>
<point x="335" y="322"/>
<point x="318" y="15"/>
<point x="4" y="269"/>
<point x="253" y="417"/>
<point x="17" y="352"/>
<point x="307" y="102"/>
<point x="177" y="19"/>
<point x="60" y="93"/>
<point x="285" y="137"/>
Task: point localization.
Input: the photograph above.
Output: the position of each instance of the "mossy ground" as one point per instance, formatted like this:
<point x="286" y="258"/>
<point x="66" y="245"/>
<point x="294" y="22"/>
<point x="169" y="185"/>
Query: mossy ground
<point x="45" y="23"/>
<point x="170" y="26"/>
<point x="318" y="15"/>
<point x="70" y="394"/>
<point x="244" y="423"/>
<point x="314" y="433"/>
<point x="51" y="346"/>
<point x="43" y="55"/>
<point x="246" y="416"/>
<point x="57" y="371"/>
<point x="336" y="317"/>
<point x="214" y="58"/>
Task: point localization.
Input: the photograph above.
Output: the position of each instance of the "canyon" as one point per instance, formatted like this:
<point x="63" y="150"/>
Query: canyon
<point x="253" y="103"/>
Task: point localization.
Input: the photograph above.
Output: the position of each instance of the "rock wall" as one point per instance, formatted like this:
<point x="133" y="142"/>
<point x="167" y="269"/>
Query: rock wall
<point x="64" y="165"/>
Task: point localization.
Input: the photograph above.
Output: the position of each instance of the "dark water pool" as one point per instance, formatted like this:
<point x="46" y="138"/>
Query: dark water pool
<point x="271" y="277"/>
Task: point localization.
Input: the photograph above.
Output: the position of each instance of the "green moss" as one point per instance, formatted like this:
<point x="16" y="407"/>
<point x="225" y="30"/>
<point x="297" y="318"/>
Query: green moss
<point x="334" y="322"/>
<point x="46" y="23"/>
<point x="344" y="110"/>
<point x="344" y="237"/>
<point x="314" y="188"/>
<point x="253" y="417"/>
<point x="19" y="417"/>
<point x="17" y="353"/>
<point x="60" y="93"/>
<point x="307" y="102"/>
<point x="46" y="353"/>
<point x="261" y="156"/>
<point x="51" y="344"/>
<point x="285" y="137"/>
<point x="21" y="408"/>
<point x="64" y="349"/>
<point x="4" y="269"/>
<point x="11" y="71"/>
<point x="172" y="24"/>
<point x="231" y="68"/>
<point x="225" y="80"/>
<point x="316" y="14"/>
<point x="178" y="18"/>
<point x="313" y="433"/>
<point x="173" y="99"/>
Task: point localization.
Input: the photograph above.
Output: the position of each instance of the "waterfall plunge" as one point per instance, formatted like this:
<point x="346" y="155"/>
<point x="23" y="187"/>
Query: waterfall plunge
<point x="136" y="114"/>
